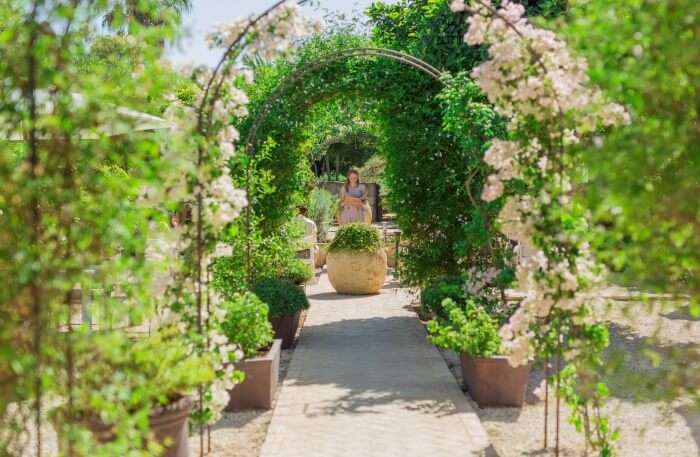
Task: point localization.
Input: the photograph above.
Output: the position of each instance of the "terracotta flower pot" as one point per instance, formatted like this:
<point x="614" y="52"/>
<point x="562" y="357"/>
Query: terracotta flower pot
<point x="390" y="256"/>
<point x="285" y="328"/>
<point x="168" y="423"/>
<point x="493" y="381"/>
<point x="257" y="391"/>
<point x="321" y="255"/>
<point x="357" y="272"/>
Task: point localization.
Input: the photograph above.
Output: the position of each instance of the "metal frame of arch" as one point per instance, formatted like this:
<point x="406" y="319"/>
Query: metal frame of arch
<point x="321" y="62"/>
<point x="291" y="80"/>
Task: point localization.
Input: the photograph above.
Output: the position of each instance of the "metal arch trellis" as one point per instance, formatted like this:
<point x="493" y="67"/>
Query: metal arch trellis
<point x="289" y="82"/>
<point x="321" y="62"/>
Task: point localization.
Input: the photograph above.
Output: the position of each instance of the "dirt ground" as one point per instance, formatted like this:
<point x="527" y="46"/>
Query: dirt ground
<point x="649" y="426"/>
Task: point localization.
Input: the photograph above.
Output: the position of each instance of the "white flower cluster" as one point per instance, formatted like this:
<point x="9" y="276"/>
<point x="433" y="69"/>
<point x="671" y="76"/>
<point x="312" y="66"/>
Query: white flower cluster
<point x="232" y="102"/>
<point x="274" y="34"/>
<point x="531" y="75"/>
<point x="530" y="71"/>
<point x="567" y="293"/>
<point x="480" y="282"/>
<point x="502" y="156"/>
<point x="222" y="201"/>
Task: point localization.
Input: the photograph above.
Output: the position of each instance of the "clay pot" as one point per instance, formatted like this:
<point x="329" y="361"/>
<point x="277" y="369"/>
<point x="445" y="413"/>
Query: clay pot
<point x="166" y="423"/>
<point x="357" y="272"/>
<point x="257" y="391"/>
<point x="493" y="381"/>
<point x="285" y="328"/>
<point x="390" y="256"/>
<point x="321" y="255"/>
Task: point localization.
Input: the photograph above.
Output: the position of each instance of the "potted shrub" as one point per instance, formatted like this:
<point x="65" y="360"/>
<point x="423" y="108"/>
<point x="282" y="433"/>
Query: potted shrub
<point x="356" y="260"/>
<point x="297" y="271"/>
<point x="431" y="297"/>
<point x="132" y="395"/>
<point x="246" y="325"/>
<point x="285" y="301"/>
<point x="471" y="332"/>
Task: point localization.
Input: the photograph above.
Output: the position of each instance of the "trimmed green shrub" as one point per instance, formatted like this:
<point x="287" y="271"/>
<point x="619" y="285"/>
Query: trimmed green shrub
<point x="466" y="330"/>
<point x="298" y="272"/>
<point x="431" y="297"/>
<point x="123" y="377"/>
<point x="356" y="237"/>
<point x="246" y="323"/>
<point x="282" y="296"/>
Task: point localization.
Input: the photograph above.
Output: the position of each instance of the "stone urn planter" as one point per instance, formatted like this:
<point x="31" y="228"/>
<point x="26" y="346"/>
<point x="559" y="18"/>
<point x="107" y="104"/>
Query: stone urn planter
<point x="257" y="391"/>
<point x="167" y="423"/>
<point x="357" y="272"/>
<point x="492" y="381"/>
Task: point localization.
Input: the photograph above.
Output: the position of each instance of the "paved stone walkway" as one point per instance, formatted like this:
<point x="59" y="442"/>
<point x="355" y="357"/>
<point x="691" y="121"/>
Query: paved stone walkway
<point x="364" y="382"/>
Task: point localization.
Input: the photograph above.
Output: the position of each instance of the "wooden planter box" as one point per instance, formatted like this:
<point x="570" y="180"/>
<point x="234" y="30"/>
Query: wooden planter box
<point x="285" y="328"/>
<point x="257" y="391"/>
<point x="493" y="381"/>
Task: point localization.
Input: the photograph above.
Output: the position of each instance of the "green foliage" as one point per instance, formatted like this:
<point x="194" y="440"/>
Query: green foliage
<point x="649" y="170"/>
<point x="356" y="237"/>
<point x="70" y="214"/>
<point x="343" y="135"/>
<point x="246" y="323"/>
<point x="467" y="329"/>
<point x="373" y="169"/>
<point x="121" y="381"/>
<point x="297" y="271"/>
<point x="323" y="207"/>
<point x="641" y="184"/>
<point x="431" y="134"/>
<point x="272" y="255"/>
<point x="283" y="297"/>
<point x="432" y="296"/>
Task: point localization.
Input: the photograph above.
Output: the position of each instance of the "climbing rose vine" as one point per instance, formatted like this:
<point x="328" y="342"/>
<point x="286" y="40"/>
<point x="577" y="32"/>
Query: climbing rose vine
<point x="552" y="109"/>
<point x="200" y="181"/>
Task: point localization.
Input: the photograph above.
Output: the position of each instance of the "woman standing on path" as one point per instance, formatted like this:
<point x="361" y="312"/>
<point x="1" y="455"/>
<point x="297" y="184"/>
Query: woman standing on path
<point x="353" y="200"/>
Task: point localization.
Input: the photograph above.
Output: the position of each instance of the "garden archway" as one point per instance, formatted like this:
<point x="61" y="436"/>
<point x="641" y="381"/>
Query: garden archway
<point x="289" y="82"/>
<point x="292" y="79"/>
<point x="412" y="118"/>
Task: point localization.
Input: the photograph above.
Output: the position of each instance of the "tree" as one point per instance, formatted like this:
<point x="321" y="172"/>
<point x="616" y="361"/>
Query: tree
<point x="126" y="14"/>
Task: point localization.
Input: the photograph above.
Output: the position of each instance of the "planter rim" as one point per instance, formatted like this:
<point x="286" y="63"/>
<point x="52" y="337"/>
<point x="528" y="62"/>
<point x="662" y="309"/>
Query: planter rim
<point x="492" y="359"/>
<point x="358" y="251"/>
<point x="267" y="356"/>
<point x="282" y="316"/>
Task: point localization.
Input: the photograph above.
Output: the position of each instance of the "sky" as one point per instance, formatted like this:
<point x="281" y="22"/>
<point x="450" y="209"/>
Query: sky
<point x="207" y="13"/>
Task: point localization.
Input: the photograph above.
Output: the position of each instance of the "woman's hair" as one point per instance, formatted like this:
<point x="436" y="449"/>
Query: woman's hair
<point x="347" y="180"/>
